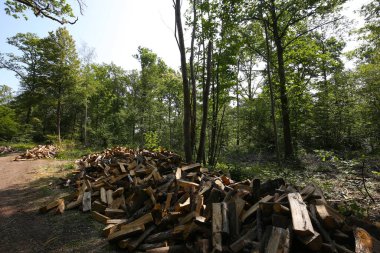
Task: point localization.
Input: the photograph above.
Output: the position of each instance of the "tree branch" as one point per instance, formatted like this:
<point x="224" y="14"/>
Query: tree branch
<point x="44" y="10"/>
<point x="309" y="30"/>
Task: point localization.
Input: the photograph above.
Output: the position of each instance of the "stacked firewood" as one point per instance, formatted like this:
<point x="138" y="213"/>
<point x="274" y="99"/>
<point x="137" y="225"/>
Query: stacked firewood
<point x="39" y="152"/>
<point x="6" y="149"/>
<point x="152" y="202"/>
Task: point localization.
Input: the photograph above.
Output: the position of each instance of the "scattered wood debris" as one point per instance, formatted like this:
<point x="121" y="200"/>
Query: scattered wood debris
<point x="152" y="202"/>
<point x="39" y="152"/>
<point x="6" y="150"/>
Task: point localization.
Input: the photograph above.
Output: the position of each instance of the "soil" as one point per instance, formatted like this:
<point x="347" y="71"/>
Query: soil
<point x="24" y="187"/>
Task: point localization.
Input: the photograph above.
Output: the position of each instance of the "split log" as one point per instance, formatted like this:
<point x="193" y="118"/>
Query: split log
<point x="279" y="241"/>
<point x="127" y="231"/>
<point x="300" y="216"/>
<point x="254" y="208"/>
<point x="363" y="241"/>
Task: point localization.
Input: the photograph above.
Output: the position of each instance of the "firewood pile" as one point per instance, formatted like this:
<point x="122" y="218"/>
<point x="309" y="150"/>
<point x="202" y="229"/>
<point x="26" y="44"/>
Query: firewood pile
<point x="6" y="150"/>
<point x="39" y="152"/>
<point x="152" y="202"/>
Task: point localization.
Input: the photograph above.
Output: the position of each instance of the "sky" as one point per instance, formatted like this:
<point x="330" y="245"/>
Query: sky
<point x="115" y="29"/>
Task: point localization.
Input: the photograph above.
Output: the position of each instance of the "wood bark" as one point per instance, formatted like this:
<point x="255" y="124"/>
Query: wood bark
<point x="206" y="92"/>
<point x="193" y="83"/>
<point x="185" y="84"/>
<point x="288" y="147"/>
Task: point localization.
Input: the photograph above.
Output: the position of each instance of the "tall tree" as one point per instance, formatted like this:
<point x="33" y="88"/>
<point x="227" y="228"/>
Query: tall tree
<point x="284" y="19"/>
<point x="61" y="67"/>
<point x="185" y="80"/>
<point x="27" y="68"/>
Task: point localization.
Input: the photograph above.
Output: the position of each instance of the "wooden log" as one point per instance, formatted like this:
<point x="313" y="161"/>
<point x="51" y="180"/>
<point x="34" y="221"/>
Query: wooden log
<point x="109" y="197"/>
<point x="339" y="219"/>
<point x="243" y="240"/>
<point x="178" y="174"/>
<point x="169" y="249"/>
<point x="75" y="203"/>
<point x="199" y="204"/>
<point x="325" y="235"/>
<point x="61" y="207"/>
<point x="300" y="216"/>
<point x="217" y="227"/>
<point x="161" y="236"/>
<point x="169" y="197"/>
<point x="186" y="184"/>
<point x="103" y="195"/>
<point x="115" y="213"/>
<point x="122" y="167"/>
<point x="280" y="209"/>
<point x="328" y="221"/>
<point x="146" y="246"/>
<point x="131" y="245"/>
<point x="118" y="193"/>
<point x="98" y="207"/>
<point x="234" y="221"/>
<point x="189" y="217"/>
<point x="99" y="217"/>
<point x="202" y="245"/>
<point x="86" y="202"/>
<point x="279" y="241"/>
<point x="254" y="208"/>
<point x="363" y="241"/>
<point x="116" y="221"/>
<point x="191" y="167"/>
<point x="124" y="232"/>
<point x="307" y="191"/>
<point x="225" y="217"/>
<point x="50" y="206"/>
<point x="313" y="242"/>
<point x="109" y="229"/>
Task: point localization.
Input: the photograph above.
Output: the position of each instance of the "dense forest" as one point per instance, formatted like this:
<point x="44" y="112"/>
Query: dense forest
<point x="259" y="76"/>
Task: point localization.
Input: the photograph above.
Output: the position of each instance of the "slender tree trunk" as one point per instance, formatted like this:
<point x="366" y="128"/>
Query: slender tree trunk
<point x="219" y="136"/>
<point x="85" y="122"/>
<point x="170" y="124"/>
<point x="250" y="95"/>
<point x="237" y="107"/>
<point x="193" y="84"/>
<point x="288" y="147"/>
<point x="206" y="92"/>
<point x="185" y="80"/>
<point x="59" y="108"/>
<point x="214" y="128"/>
<point x="28" y="114"/>
<point x="272" y="101"/>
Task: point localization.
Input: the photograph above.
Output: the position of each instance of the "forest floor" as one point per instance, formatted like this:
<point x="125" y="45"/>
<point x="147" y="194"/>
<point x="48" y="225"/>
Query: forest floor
<point x="341" y="179"/>
<point x="27" y="185"/>
<point x="24" y="187"/>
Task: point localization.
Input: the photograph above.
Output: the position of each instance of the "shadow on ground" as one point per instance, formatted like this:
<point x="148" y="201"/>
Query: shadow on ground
<point x="23" y="229"/>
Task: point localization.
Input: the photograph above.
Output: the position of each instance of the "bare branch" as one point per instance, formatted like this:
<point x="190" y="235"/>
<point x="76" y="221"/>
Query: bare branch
<point x="312" y="29"/>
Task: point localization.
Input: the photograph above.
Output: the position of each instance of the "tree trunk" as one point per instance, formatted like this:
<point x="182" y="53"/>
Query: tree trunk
<point x="85" y="122"/>
<point x="206" y="92"/>
<point x="185" y="80"/>
<point x="59" y="108"/>
<point x="272" y="102"/>
<point x="214" y="128"/>
<point x="288" y="148"/>
<point x="237" y="107"/>
<point x="193" y="84"/>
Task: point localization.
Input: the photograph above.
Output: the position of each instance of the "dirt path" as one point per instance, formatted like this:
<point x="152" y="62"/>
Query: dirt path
<point x="24" y="187"/>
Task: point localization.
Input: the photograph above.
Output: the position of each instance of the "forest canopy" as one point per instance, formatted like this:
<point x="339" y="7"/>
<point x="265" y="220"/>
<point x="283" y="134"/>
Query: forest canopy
<point x="257" y="76"/>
